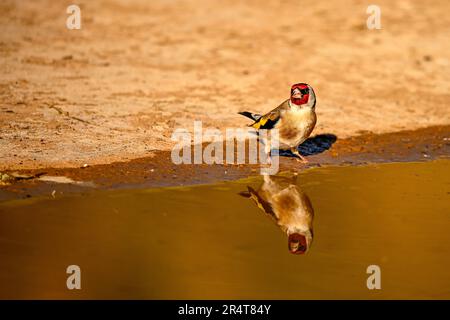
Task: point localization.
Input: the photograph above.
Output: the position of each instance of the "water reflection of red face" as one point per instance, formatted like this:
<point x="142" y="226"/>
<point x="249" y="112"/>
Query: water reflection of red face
<point x="297" y="243"/>
<point x="299" y="94"/>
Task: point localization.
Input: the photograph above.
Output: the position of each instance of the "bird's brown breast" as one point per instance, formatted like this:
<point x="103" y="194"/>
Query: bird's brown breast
<point x="295" y="126"/>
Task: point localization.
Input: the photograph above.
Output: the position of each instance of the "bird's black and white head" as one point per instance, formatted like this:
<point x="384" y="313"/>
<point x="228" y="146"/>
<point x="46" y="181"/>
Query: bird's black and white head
<point x="302" y="94"/>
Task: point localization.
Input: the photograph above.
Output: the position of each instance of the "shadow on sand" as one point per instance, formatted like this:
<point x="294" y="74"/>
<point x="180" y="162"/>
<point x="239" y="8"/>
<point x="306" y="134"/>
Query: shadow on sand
<point x="313" y="145"/>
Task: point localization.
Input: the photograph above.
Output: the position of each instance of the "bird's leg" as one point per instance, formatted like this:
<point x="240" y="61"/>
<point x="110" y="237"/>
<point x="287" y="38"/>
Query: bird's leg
<point x="301" y="158"/>
<point x="295" y="178"/>
<point x="268" y="153"/>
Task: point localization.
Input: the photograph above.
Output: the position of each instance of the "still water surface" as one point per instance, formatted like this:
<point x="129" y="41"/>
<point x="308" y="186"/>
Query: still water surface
<point x="229" y="240"/>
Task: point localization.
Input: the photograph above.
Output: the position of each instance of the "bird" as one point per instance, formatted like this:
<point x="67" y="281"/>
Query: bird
<point x="281" y="198"/>
<point x="295" y="119"/>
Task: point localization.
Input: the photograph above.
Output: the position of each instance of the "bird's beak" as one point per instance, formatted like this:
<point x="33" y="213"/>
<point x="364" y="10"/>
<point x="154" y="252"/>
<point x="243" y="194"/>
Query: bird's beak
<point x="297" y="95"/>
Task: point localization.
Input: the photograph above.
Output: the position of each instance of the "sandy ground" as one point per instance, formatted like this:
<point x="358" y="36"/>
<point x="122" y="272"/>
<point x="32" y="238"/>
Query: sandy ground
<point x="137" y="70"/>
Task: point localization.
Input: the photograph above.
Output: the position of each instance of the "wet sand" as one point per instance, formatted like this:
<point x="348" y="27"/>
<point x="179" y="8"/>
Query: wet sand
<point x="208" y="242"/>
<point x="159" y="170"/>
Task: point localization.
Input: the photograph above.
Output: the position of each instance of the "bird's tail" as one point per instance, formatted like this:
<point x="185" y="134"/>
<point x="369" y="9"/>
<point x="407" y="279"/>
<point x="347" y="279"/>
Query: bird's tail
<point x="253" y="116"/>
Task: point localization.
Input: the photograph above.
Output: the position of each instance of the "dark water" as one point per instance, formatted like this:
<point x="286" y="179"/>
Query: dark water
<point x="210" y="242"/>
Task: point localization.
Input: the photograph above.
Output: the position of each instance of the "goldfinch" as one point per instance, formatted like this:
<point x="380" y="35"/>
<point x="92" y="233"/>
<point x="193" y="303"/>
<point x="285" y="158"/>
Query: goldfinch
<point x="281" y="199"/>
<point x="295" y="118"/>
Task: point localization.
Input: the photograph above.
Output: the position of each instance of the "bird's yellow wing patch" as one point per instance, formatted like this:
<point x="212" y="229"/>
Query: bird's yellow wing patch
<point x="260" y="123"/>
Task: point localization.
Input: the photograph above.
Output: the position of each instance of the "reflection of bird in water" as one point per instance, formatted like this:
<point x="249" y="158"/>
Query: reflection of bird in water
<point x="291" y="209"/>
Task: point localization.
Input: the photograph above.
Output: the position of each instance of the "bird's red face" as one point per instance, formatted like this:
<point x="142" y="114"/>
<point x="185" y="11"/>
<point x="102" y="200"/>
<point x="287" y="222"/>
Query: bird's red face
<point x="299" y="94"/>
<point x="297" y="243"/>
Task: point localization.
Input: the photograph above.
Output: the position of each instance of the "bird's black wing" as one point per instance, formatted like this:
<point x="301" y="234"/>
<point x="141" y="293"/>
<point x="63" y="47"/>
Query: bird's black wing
<point x="253" y="116"/>
<point x="269" y="120"/>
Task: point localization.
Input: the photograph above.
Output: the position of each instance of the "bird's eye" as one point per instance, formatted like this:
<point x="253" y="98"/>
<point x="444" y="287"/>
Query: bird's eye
<point x="304" y="91"/>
